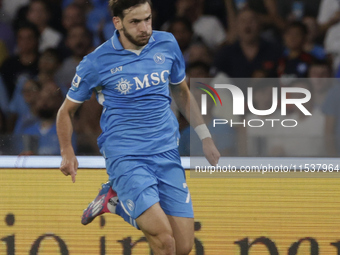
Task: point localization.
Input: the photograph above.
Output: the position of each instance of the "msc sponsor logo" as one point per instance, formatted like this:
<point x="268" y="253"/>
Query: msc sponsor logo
<point x="124" y="86"/>
<point x="153" y="79"/>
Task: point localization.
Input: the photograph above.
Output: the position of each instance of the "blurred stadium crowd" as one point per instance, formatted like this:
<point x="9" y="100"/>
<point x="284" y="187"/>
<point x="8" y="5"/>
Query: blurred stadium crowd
<point x="42" y="42"/>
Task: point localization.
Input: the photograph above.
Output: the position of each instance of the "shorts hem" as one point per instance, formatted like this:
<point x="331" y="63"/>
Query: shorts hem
<point x="179" y="214"/>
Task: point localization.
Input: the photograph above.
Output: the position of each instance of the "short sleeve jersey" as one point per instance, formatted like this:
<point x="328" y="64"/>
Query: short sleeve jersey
<point x="133" y="89"/>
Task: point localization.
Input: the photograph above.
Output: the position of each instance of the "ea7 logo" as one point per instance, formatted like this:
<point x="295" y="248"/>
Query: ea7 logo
<point x="117" y="69"/>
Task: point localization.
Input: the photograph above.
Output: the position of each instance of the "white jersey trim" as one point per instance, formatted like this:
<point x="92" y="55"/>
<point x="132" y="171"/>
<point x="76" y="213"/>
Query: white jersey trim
<point x="177" y="83"/>
<point x="73" y="100"/>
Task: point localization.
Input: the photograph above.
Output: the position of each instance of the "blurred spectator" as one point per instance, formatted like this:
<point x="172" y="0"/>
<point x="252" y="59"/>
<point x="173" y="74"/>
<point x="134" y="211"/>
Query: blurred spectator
<point x="3" y="52"/>
<point x="104" y="28"/>
<point x="216" y="8"/>
<point x="87" y="126"/>
<point x="198" y="52"/>
<point x="3" y="112"/>
<point x="192" y="47"/>
<point x="21" y="107"/>
<point x="79" y="41"/>
<point x="182" y="30"/>
<point x="163" y="11"/>
<point x="328" y="19"/>
<point x="295" y="62"/>
<point x="88" y="6"/>
<point x="320" y="74"/>
<point x="6" y="33"/>
<point x="40" y="14"/>
<point x="249" y="52"/>
<point x="105" y="32"/>
<point x="296" y="9"/>
<point x="3" y="106"/>
<point x="26" y="91"/>
<point x="3" y="98"/>
<point x="41" y="137"/>
<point x="267" y="11"/>
<point x="97" y="15"/>
<point x="2" y="123"/>
<point x="317" y="51"/>
<point x="49" y="64"/>
<point x="209" y="28"/>
<point x="337" y="74"/>
<point x="305" y="139"/>
<point x="26" y="60"/>
<point x="331" y="108"/>
<point x="223" y="135"/>
<point x="259" y="73"/>
<point x="72" y="16"/>
<point x="10" y="9"/>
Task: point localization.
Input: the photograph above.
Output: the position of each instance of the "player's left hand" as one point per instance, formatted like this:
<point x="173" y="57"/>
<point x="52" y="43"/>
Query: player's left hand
<point x="210" y="151"/>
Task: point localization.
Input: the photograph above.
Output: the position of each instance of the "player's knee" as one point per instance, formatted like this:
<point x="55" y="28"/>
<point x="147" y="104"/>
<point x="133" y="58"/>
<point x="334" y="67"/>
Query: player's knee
<point x="166" y="243"/>
<point x="185" y="248"/>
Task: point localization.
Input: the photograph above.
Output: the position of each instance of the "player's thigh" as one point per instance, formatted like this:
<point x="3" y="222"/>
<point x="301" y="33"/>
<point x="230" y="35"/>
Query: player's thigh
<point x="183" y="231"/>
<point x="156" y="227"/>
<point x="154" y="221"/>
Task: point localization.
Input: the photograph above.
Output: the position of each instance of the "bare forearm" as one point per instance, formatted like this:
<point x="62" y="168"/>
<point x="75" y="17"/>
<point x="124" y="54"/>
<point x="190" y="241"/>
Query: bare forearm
<point x="69" y="163"/>
<point x="65" y="131"/>
<point x="187" y="105"/>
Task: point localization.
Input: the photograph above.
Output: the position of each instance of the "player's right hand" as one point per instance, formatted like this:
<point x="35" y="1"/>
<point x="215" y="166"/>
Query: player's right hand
<point x="69" y="166"/>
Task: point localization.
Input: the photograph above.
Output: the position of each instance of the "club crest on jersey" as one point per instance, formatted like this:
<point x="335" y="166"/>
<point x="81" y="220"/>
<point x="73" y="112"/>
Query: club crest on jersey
<point x="123" y="86"/>
<point x="159" y="58"/>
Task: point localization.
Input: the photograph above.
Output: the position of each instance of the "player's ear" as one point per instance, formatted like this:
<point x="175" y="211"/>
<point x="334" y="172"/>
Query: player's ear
<point x="117" y="22"/>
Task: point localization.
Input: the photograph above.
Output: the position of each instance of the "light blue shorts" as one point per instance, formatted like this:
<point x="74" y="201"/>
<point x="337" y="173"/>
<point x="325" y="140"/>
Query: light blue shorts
<point x="142" y="181"/>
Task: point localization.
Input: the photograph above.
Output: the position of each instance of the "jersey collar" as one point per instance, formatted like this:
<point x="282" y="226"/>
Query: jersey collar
<point x="118" y="46"/>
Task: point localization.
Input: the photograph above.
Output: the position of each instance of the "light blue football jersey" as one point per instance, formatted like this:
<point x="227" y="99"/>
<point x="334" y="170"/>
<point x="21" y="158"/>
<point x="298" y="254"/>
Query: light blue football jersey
<point x="134" y="92"/>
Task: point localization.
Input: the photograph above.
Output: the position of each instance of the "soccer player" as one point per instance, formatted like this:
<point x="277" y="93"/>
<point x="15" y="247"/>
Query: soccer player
<point x="130" y="74"/>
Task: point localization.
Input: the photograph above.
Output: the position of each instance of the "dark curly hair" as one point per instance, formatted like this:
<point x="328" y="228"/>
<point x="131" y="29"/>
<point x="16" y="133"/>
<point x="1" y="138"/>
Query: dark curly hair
<point x="119" y="6"/>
